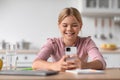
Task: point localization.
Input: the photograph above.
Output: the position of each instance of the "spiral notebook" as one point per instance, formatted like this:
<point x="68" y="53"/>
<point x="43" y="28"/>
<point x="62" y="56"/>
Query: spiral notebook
<point x="28" y="72"/>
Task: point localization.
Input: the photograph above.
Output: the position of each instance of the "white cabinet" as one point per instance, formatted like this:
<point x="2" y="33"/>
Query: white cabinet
<point x="99" y="7"/>
<point x="24" y="59"/>
<point x="112" y="60"/>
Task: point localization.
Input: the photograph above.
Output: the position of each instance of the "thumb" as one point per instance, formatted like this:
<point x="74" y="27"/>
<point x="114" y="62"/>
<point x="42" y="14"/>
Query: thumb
<point x="65" y="57"/>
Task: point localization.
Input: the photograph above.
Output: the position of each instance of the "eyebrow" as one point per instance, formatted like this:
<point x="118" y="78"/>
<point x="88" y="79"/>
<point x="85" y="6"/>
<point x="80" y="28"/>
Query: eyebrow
<point x="66" y="23"/>
<point x="74" y="23"/>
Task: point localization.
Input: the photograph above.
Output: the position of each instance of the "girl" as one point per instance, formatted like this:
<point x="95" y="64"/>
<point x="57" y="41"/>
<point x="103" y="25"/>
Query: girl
<point x="69" y="24"/>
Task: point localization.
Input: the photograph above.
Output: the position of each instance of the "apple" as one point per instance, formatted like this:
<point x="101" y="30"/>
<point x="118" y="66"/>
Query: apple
<point x="103" y="45"/>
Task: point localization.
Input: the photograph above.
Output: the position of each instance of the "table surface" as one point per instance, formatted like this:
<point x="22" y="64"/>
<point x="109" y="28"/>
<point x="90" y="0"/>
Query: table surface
<point x="110" y="74"/>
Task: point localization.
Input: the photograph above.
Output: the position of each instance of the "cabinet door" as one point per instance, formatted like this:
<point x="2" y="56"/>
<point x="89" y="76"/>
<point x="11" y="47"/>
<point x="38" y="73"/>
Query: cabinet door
<point x="91" y="4"/>
<point x="25" y="60"/>
<point x="118" y="4"/>
<point x="108" y="60"/>
<point x="97" y="4"/>
<point x="104" y="4"/>
<point x="112" y="59"/>
<point x="100" y="7"/>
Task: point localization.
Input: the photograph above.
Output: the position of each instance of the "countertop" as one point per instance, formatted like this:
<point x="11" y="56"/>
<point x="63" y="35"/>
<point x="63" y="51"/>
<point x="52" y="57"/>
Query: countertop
<point x="109" y="74"/>
<point x="22" y="51"/>
<point x="36" y="51"/>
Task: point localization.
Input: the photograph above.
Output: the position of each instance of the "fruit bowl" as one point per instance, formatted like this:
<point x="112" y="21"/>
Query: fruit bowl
<point x="108" y="46"/>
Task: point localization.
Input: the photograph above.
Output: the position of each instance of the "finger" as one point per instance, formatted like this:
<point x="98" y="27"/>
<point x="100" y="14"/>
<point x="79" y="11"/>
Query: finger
<point x="78" y="63"/>
<point x="70" y="62"/>
<point x="72" y="66"/>
<point x="73" y="55"/>
<point x="65" y="57"/>
<point x="77" y="60"/>
<point x="64" y="67"/>
<point x="69" y="66"/>
<point x="64" y="64"/>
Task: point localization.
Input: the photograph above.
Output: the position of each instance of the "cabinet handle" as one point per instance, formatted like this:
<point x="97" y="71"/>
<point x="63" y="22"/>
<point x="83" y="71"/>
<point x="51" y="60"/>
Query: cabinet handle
<point x="2" y="57"/>
<point x="25" y="57"/>
<point x="17" y="58"/>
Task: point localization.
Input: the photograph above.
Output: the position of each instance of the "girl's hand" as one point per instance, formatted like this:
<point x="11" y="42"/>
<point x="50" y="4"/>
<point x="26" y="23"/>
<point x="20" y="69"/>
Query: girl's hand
<point x="63" y="65"/>
<point x="78" y="63"/>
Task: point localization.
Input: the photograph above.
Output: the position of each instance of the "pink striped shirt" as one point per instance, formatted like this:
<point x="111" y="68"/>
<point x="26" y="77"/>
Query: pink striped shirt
<point x="55" y="48"/>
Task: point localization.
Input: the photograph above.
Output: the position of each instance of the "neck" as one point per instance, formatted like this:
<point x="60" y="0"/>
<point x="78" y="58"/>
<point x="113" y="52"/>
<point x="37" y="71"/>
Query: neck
<point x="69" y="42"/>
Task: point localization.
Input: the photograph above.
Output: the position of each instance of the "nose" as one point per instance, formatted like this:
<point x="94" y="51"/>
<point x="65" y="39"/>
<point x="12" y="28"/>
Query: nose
<point x="69" y="27"/>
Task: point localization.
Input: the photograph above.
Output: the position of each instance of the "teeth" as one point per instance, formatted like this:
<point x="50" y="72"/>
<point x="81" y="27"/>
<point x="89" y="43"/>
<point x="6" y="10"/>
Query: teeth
<point x="69" y="33"/>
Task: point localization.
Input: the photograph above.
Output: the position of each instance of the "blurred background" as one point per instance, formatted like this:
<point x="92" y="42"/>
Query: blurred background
<point x="30" y="22"/>
<point x="36" y="20"/>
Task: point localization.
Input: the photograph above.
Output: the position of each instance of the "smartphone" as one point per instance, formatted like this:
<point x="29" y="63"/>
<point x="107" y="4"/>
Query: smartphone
<point x="70" y="51"/>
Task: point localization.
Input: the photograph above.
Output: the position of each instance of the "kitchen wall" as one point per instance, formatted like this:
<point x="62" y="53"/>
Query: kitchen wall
<point x="36" y="20"/>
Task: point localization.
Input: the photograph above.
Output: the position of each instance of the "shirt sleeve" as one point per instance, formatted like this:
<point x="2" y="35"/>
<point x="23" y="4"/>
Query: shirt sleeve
<point x="93" y="52"/>
<point x="46" y="50"/>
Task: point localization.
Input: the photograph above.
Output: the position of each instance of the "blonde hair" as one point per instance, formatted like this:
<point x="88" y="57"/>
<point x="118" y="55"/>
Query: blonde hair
<point x="70" y="11"/>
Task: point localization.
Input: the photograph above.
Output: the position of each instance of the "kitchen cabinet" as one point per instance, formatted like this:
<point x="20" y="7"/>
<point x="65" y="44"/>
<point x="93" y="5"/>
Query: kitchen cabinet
<point x="24" y="58"/>
<point x="99" y="7"/>
<point x="112" y="59"/>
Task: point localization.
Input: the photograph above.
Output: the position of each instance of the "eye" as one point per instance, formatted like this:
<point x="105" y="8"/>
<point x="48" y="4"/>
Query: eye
<point x="74" y="25"/>
<point x="64" y="25"/>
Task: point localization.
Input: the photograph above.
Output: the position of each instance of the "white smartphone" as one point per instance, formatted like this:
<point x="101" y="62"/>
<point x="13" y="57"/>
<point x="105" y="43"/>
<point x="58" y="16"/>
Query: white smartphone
<point x="70" y="51"/>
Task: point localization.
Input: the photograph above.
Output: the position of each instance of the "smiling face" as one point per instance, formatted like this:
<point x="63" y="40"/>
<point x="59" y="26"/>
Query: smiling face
<point x="70" y="23"/>
<point x="69" y="28"/>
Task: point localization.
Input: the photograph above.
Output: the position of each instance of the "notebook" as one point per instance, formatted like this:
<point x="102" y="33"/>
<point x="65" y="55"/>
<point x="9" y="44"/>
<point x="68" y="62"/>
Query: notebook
<point x="28" y="72"/>
<point x="86" y="71"/>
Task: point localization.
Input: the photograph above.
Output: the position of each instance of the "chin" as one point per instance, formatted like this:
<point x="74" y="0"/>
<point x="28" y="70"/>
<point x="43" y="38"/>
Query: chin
<point x="70" y="38"/>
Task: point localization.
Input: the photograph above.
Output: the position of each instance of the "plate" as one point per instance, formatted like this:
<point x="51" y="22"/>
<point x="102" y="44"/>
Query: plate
<point x="109" y="48"/>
